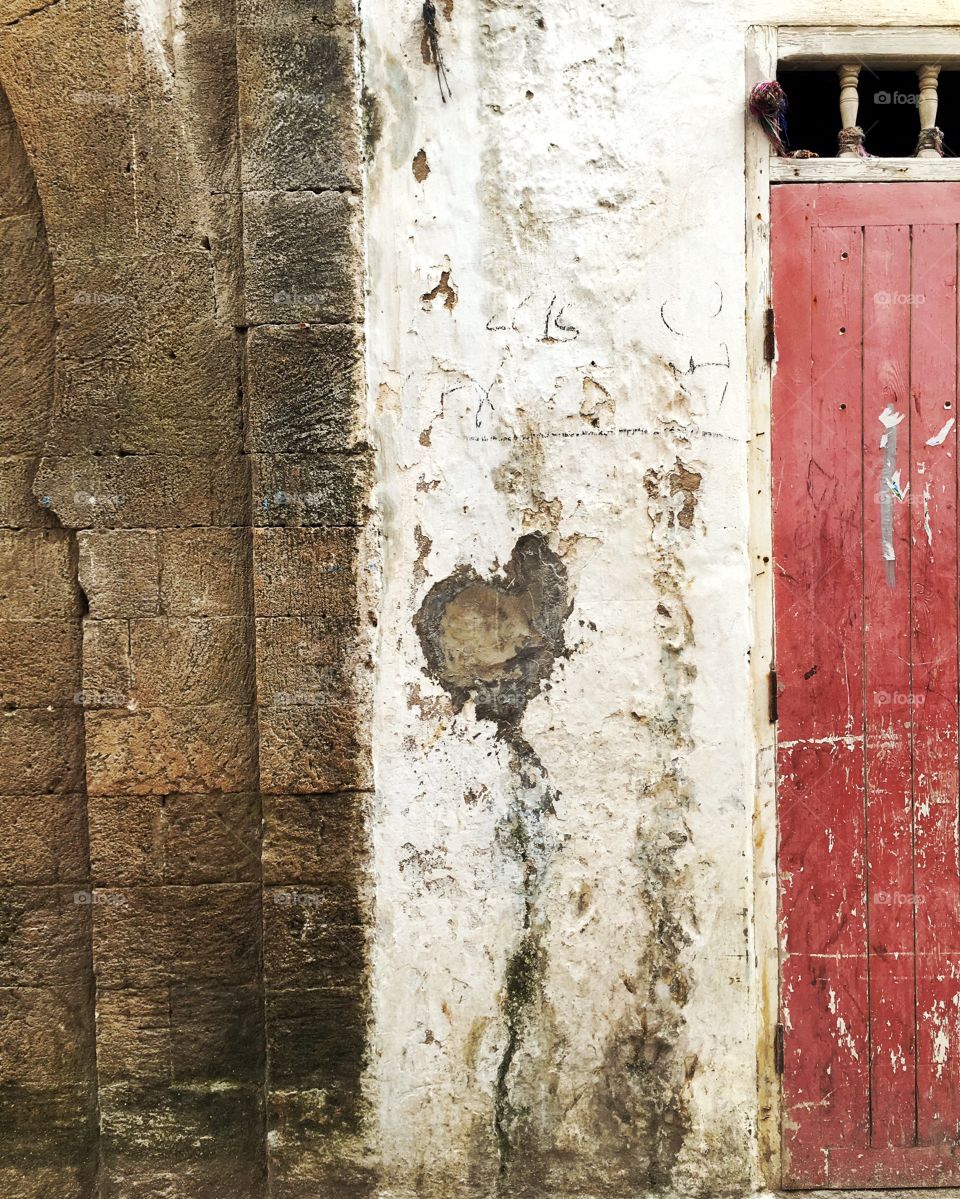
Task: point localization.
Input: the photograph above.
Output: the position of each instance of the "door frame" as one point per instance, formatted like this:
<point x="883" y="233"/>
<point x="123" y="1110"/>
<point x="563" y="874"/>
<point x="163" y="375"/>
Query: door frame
<point x="768" y="46"/>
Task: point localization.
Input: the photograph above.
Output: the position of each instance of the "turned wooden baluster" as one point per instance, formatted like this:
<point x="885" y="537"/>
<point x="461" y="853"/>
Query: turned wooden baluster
<point x="851" y="135"/>
<point x="930" y="144"/>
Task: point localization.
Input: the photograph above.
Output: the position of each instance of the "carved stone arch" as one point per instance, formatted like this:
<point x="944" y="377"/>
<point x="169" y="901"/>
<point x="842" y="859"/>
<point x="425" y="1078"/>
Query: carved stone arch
<point x="48" y="1101"/>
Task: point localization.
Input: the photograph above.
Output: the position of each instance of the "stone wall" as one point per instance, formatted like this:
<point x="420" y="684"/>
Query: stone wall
<point x="373" y="410"/>
<point x="184" y="614"/>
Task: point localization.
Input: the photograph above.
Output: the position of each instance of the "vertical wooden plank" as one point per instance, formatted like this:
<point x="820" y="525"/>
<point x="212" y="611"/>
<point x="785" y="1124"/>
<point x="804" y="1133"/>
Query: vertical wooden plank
<point x="886" y="555"/>
<point x="934" y="664"/>
<point x="819" y="613"/>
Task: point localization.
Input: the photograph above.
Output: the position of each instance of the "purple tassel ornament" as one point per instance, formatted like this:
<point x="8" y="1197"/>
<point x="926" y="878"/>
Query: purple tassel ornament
<point x="768" y="103"/>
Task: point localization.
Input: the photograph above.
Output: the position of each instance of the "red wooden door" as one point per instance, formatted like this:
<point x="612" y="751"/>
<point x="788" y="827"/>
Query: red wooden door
<point x="865" y="488"/>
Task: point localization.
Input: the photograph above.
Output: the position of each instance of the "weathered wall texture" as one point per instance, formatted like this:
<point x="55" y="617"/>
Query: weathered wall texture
<point x="563" y="499"/>
<point x="526" y="967"/>
<point x="183" y="616"/>
<point x="565" y="995"/>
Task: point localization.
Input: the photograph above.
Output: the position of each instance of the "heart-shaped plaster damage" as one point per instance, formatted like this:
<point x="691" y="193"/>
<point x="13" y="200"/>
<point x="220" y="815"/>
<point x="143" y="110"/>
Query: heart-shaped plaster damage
<point x="496" y="640"/>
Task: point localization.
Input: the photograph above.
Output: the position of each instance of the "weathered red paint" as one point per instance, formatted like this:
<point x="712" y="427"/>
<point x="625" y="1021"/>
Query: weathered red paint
<point x="866" y="593"/>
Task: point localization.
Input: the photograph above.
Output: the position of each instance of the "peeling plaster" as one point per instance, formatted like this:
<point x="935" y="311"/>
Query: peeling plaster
<point x="586" y="391"/>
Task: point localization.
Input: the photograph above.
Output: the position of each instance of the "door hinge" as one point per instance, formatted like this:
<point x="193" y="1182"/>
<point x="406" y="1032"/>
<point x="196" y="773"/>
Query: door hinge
<point x="778" y="1049"/>
<point x="774" y="696"/>
<point x="769" y="337"/>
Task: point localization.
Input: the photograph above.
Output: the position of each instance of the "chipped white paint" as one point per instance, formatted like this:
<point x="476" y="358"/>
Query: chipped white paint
<point x="890" y="488"/>
<point x="938" y="1017"/>
<point x="941" y="437"/>
<point x="596" y="246"/>
<point x="926" y="513"/>
<point x="844" y="1036"/>
<point x="881" y="740"/>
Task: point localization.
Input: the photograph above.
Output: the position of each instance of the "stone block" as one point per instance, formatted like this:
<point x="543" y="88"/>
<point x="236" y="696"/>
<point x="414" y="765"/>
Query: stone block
<point x="154" y="491"/>
<point x="47" y="1037"/>
<point x="26" y="376"/>
<point x="144" y="366"/>
<point x="24" y="263"/>
<point x="311" y="839"/>
<point x="45" y="936"/>
<point x="120" y="573"/>
<point x="304" y="258"/>
<point x="19" y="507"/>
<point x="206" y="572"/>
<point x="189" y="839"/>
<point x="48" y="1142"/>
<point x="307" y="572"/>
<point x="312" y="489"/>
<point x="314" y="749"/>
<point x="147" y="937"/>
<point x="41" y="751"/>
<point x="107" y="671"/>
<point x="316" y="1039"/>
<point x="39" y="662"/>
<point x="301" y="660"/>
<point x="181" y="1033"/>
<point x="296" y="13"/>
<point x="305" y="388"/>
<point x="184" y="749"/>
<point x="307" y="943"/>
<point x="37" y="579"/>
<point x="182" y="1142"/>
<point x="299" y="108"/>
<point x="179" y="661"/>
<point x="43" y="839"/>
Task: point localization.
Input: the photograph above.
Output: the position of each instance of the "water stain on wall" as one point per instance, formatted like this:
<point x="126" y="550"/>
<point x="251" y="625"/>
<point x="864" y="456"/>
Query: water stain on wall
<point x="496" y="641"/>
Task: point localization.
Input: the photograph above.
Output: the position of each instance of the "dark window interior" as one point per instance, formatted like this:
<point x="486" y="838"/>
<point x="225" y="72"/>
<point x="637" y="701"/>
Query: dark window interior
<point x="888" y="111"/>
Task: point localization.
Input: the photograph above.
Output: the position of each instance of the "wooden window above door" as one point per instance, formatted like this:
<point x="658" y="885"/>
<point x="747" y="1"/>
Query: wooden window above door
<point x="919" y="68"/>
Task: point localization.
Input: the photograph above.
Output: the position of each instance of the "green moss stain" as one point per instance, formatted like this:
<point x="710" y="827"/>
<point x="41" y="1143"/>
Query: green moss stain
<point x="523" y="985"/>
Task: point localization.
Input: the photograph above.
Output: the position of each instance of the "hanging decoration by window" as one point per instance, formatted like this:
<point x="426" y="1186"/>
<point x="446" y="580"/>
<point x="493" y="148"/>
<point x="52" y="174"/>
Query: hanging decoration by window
<point x="768" y="103"/>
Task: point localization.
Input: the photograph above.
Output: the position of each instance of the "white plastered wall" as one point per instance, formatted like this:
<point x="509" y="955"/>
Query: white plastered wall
<point x="586" y="194"/>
